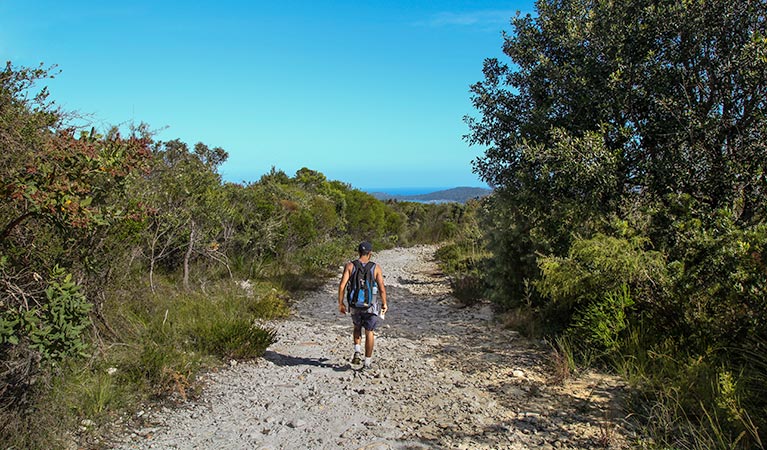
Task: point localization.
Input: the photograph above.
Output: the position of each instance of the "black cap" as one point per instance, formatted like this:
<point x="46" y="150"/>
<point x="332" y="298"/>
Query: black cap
<point x="365" y="248"/>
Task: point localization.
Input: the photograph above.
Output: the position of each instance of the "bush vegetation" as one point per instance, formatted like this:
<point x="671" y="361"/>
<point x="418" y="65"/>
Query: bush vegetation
<point x="625" y="144"/>
<point x="462" y="255"/>
<point x="127" y="265"/>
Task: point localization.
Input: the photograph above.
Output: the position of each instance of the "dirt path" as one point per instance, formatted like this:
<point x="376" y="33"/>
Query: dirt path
<point x="443" y="377"/>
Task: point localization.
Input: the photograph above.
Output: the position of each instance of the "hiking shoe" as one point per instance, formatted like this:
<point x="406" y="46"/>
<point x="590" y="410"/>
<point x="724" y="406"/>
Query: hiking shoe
<point x="357" y="358"/>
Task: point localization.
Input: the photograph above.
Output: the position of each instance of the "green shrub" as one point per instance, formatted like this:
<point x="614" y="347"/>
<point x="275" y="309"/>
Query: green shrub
<point x="514" y="263"/>
<point x="463" y="264"/>
<point x="268" y="306"/>
<point x="590" y="281"/>
<point x="364" y="215"/>
<point x="58" y="330"/>
<point x="233" y="337"/>
<point x="599" y="325"/>
<point x="318" y="259"/>
<point x="720" y="289"/>
<point x="54" y="328"/>
<point x="462" y="258"/>
<point x="600" y="266"/>
<point x="173" y="335"/>
<point x="449" y="256"/>
<point x="469" y="289"/>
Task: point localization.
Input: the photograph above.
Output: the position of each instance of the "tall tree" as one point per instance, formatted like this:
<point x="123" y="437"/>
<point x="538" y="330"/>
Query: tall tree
<point x="603" y="102"/>
<point x="677" y="89"/>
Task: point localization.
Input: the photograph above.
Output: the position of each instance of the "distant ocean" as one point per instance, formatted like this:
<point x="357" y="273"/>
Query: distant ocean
<point x="406" y="190"/>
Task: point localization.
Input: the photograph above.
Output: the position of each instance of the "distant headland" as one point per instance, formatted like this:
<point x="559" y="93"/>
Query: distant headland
<point x="457" y="195"/>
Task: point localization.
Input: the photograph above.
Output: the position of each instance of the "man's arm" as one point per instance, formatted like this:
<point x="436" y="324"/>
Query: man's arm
<point x="342" y="286"/>
<point x="381" y="288"/>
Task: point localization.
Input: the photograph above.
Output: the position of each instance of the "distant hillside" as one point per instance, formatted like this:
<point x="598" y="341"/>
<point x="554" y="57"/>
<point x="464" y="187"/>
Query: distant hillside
<point x="458" y="195"/>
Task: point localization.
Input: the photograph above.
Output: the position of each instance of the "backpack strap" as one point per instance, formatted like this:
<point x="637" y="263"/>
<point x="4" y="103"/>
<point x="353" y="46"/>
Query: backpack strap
<point x="368" y="274"/>
<point x="367" y="268"/>
<point x="351" y="285"/>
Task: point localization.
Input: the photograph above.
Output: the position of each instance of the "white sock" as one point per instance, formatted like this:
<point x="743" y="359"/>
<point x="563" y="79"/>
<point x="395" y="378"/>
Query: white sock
<point x="367" y="361"/>
<point x="358" y="348"/>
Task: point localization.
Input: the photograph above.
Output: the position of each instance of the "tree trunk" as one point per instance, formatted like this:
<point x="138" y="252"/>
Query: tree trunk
<point x="152" y="259"/>
<point x="188" y="256"/>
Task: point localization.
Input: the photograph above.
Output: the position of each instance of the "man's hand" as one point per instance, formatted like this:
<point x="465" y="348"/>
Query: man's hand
<point x="384" y="308"/>
<point x="341" y="308"/>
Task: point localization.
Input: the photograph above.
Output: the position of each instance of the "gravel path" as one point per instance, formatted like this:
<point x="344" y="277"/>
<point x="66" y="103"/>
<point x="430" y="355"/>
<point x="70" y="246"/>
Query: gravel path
<point x="443" y="377"/>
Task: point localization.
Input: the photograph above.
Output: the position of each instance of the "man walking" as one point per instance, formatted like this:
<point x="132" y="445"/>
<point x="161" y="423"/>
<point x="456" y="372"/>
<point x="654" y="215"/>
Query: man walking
<point x="367" y="316"/>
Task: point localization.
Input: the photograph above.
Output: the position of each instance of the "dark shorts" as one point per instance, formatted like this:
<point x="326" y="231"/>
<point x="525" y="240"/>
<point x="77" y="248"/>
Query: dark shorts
<point x="365" y="320"/>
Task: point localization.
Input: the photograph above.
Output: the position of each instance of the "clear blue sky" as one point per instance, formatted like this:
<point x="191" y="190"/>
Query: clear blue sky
<point x="369" y="93"/>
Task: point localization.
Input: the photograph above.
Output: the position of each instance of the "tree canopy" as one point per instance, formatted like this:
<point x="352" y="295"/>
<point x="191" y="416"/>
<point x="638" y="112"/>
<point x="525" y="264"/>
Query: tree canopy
<point x="623" y="97"/>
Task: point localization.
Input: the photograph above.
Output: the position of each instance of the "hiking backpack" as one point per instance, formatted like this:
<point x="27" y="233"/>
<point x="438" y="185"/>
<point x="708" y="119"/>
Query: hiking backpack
<point x="360" y="288"/>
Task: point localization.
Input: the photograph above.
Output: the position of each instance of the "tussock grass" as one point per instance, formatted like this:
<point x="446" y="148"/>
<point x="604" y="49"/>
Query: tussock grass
<point x="232" y="337"/>
<point x="693" y="402"/>
<point x="562" y="360"/>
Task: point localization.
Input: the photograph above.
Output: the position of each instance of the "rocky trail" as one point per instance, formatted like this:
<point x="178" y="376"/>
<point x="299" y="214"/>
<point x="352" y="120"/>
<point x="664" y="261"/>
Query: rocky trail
<point x="443" y="377"/>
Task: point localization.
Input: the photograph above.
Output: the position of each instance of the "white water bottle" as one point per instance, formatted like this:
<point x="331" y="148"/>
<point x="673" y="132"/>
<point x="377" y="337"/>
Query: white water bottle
<point x="375" y="292"/>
